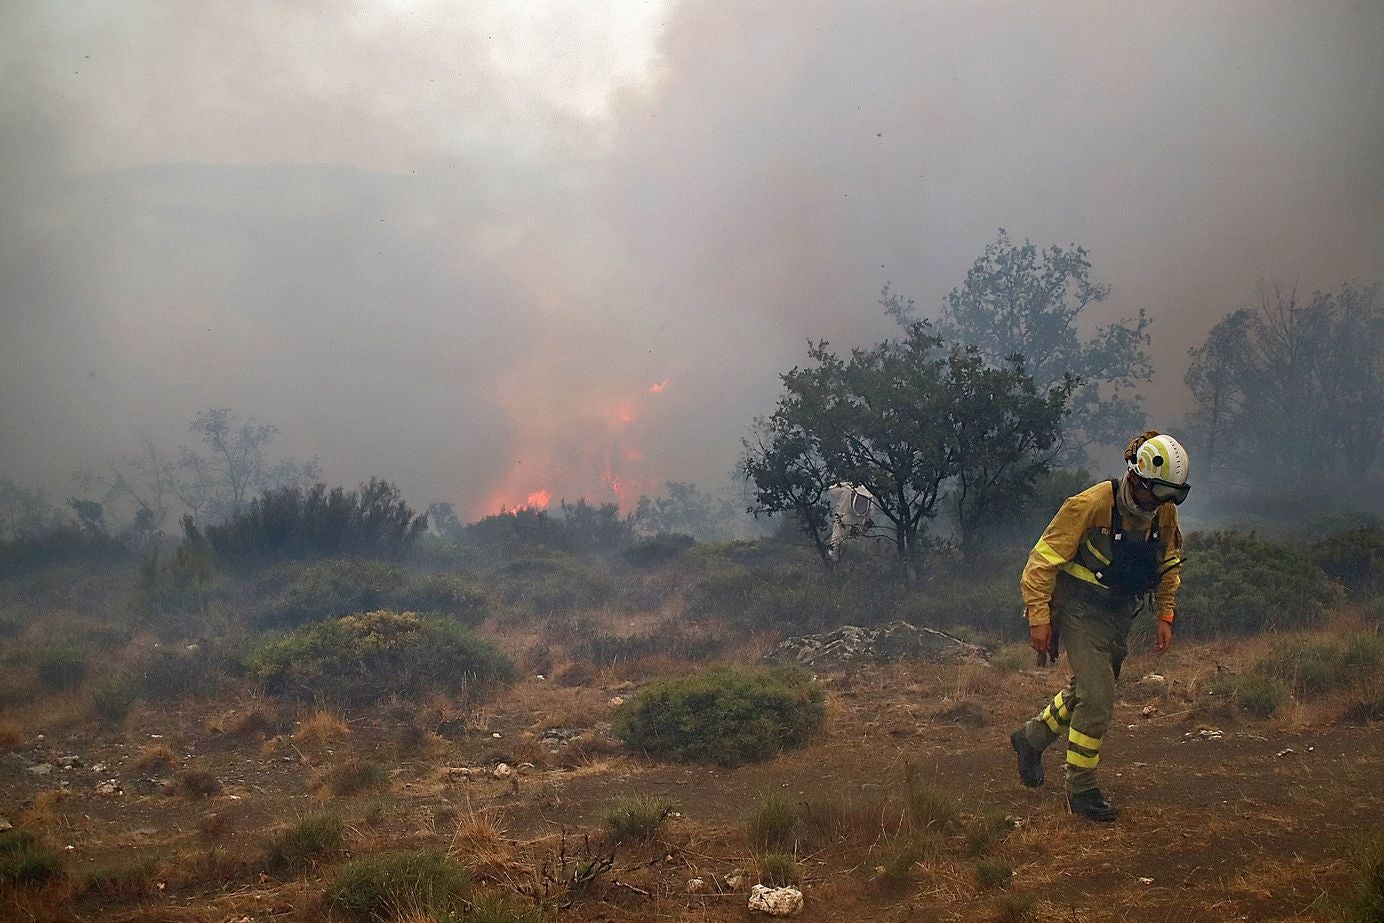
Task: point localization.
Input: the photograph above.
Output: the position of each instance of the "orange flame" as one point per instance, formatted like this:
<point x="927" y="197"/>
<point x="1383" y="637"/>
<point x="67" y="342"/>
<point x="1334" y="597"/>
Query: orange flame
<point x="658" y="387"/>
<point x="539" y="500"/>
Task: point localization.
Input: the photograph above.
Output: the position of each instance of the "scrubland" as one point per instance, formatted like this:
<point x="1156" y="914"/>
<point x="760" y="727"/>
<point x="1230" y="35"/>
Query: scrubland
<point x="519" y="732"/>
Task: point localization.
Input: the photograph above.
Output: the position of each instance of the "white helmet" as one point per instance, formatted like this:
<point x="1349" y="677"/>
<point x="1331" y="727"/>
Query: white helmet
<point x="1162" y="464"/>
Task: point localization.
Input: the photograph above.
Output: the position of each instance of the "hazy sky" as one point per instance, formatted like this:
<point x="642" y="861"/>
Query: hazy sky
<point x="489" y="249"/>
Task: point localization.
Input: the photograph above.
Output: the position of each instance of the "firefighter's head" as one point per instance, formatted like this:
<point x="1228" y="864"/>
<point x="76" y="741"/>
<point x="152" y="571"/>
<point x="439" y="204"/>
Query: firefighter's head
<point x="1158" y="469"/>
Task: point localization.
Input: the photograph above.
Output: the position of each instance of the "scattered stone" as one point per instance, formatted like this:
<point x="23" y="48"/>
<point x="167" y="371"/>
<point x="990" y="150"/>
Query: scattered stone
<point x="1154" y="681"/>
<point x="99" y="767"/>
<point x="70" y="762"/>
<point x="1285" y="751"/>
<point x="460" y="772"/>
<point x="42" y="769"/>
<point x="5" y="824"/>
<point x="898" y="640"/>
<point x="553" y="738"/>
<point x="1204" y="734"/>
<point x="1148" y="711"/>
<point x="526" y="767"/>
<point x="110" y="788"/>
<point x="147" y="786"/>
<point x="696" y="885"/>
<point x="540" y="677"/>
<point x="495" y="734"/>
<point x="1145" y="881"/>
<point x="735" y="879"/>
<point x="502" y="771"/>
<point x="776" y="902"/>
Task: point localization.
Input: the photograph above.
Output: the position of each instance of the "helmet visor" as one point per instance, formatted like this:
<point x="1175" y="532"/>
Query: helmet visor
<point x="1165" y="491"/>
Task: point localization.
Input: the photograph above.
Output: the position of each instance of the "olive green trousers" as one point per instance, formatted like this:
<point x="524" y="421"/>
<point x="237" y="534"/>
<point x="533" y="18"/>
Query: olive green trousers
<point x="1095" y="637"/>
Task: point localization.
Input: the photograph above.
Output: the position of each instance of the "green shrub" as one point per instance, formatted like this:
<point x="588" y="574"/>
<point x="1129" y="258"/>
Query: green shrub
<point x="726" y="715"/>
<point x="604" y="650"/>
<point x="555" y="584"/>
<point x="638" y="817"/>
<point x="380" y="886"/>
<point x="61" y="666"/>
<point x="23" y="860"/>
<point x="1313" y="666"/>
<point x="293" y="523"/>
<point x="1236" y="582"/>
<point x="659" y="549"/>
<point x="328" y="589"/>
<point x="112" y="697"/>
<point x="768" y="598"/>
<point x="778" y="870"/>
<point x="1013" y="657"/>
<point x="895" y="856"/>
<point x="772" y="820"/>
<point x="1260" y="696"/>
<point x="994" y="873"/>
<point x="299" y="846"/>
<point x="1355" y="558"/>
<point x="1363" y="900"/>
<point x="360" y="659"/>
<point x="170" y="675"/>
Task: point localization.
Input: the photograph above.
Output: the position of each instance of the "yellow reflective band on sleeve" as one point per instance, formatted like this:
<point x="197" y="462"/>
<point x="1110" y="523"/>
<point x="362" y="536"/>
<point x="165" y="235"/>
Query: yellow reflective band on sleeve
<point x="1083" y="574"/>
<point x="1082" y="760"/>
<point x="1050" y="721"/>
<point x="1047" y="553"/>
<point x="1062" y="710"/>
<point x="1096" y="554"/>
<point x="1083" y="740"/>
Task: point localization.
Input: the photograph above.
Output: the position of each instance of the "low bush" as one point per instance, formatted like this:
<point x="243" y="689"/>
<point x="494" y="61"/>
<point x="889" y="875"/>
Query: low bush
<point x="327" y="589"/>
<point x="994" y="873"/>
<point x="726" y="715"/>
<point x="659" y="549"/>
<point x="113" y="696"/>
<point x="66" y="545"/>
<point x="61" y="666"/>
<point x="555" y="584"/>
<point x="1260" y="696"/>
<point x="1316" y="666"/>
<point x="195" y="783"/>
<point x="926" y="806"/>
<point x="1237" y="582"/>
<point x="638" y="817"/>
<point x="379" y="887"/>
<point x="778" y="870"/>
<point x="171" y="674"/>
<point x="24" y="860"/>
<point x="984" y="831"/>
<point x="121" y="881"/>
<point x="360" y="659"/>
<point x="293" y="523"/>
<point x="301" y="845"/>
<point x="1355" y="558"/>
<point x="604" y="650"/>
<point x="896" y="856"/>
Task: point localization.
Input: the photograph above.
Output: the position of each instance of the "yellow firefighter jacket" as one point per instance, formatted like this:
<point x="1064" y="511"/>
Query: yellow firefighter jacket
<point x="1078" y="543"/>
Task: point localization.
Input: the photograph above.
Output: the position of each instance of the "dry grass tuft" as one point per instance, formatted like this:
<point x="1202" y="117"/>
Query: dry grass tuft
<point x="155" y="758"/>
<point x="42" y="814"/>
<point x="11" y="735"/>
<point x="321" y="727"/>
<point x="194" y="783"/>
<point x="256" y="716"/>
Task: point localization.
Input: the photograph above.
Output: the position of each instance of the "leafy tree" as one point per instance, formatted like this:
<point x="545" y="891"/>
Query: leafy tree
<point x="687" y="510"/>
<point x="1302" y="384"/>
<point x="24" y="510"/>
<point x="911" y="422"/>
<point x="147" y="484"/>
<point x="444" y="519"/>
<point x="1017" y="301"/>
<point x="91" y="517"/>
<point x="235" y="468"/>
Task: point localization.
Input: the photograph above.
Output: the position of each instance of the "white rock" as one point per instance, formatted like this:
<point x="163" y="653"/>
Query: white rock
<point x="5" y="824"/>
<point x="1145" y="881"/>
<point x="696" y="885"/>
<point x="110" y="788"/>
<point x="776" y="902"/>
<point x="495" y="734"/>
<point x="1154" y="679"/>
<point x="42" y="769"/>
<point x="1148" y="711"/>
<point x="503" y="771"/>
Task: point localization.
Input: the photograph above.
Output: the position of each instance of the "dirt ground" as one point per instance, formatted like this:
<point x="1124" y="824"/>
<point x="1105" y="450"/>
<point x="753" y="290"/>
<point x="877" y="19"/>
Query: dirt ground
<point x="1254" y="824"/>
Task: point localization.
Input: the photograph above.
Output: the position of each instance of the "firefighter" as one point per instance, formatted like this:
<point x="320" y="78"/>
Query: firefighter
<point x="1106" y="550"/>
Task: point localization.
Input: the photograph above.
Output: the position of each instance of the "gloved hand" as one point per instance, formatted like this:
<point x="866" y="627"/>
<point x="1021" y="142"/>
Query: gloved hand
<point x="1040" y="637"/>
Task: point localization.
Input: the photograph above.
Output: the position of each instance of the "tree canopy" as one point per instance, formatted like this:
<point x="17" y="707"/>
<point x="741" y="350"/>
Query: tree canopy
<point x="913" y="420"/>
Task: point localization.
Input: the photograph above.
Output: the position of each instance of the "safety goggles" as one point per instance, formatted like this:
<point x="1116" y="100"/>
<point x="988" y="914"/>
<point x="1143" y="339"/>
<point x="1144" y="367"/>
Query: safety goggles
<point x="1165" y="491"/>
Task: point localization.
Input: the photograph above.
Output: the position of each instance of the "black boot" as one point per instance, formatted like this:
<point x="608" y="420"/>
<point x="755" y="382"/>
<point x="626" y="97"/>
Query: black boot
<point x="1030" y="759"/>
<point x="1091" y="805"/>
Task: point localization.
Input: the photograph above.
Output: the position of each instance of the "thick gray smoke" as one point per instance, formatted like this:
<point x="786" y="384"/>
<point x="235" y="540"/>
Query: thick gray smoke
<point x="493" y="250"/>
